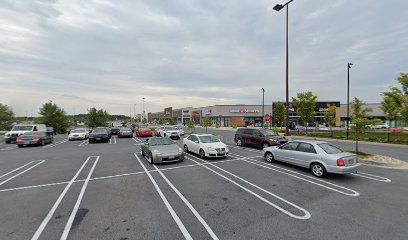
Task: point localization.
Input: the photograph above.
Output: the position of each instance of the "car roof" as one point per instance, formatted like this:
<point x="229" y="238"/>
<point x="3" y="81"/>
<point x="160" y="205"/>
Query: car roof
<point x="202" y="134"/>
<point x="309" y="141"/>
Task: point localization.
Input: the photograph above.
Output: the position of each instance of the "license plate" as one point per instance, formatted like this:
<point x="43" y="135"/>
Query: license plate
<point x="172" y="157"/>
<point x="350" y="161"/>
<point x="221" y="153"/>
<point x="26" y="142"/>
<point x="98" y="139"/>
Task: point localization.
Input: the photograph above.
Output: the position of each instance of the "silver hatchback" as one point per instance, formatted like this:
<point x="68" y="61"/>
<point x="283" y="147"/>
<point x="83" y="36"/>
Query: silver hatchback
<point x="320" y="157"/>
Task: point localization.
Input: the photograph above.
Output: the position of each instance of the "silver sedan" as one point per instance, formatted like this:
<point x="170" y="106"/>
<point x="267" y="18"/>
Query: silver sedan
<point x="320" y="157"/>
<point x="161" y="149"/>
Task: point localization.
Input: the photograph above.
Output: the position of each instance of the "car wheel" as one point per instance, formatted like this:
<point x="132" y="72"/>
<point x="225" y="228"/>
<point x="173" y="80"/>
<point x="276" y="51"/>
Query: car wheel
<point x="269" y="157"/>
<point x="265" y="145"/>
<point x="239" y="142"/>
<point x="151" y="158"/>
<point x="20" y="145"/>
<point x="202" y="153"/>
<point x="185" y="148"/>
<point x="69" y="139"/>
<point x="318" y="170"/>
<point x="42" y="143"/>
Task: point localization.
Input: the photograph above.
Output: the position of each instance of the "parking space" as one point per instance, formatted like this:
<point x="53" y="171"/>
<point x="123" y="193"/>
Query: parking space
<point x="77" y="190"/>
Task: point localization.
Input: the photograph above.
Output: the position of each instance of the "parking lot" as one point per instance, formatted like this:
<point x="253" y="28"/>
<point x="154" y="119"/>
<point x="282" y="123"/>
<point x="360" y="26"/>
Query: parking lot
<point x="76" y="190"/>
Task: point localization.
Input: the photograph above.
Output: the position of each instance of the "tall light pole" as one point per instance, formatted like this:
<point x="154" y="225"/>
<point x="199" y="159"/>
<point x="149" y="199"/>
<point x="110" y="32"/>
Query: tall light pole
<point x="263" y="105"/>
<point x="143" y="108"/>
<point x="348" y="97"/>
<point x="278" y="7"/>
<point x="134" y="112"/>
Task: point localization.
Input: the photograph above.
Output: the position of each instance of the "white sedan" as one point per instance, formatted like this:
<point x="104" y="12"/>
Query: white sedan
<point x="79" y="133"/>
<point x="205" y="145"/>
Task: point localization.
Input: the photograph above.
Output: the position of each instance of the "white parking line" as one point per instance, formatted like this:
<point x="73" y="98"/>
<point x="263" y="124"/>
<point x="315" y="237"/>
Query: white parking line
<point x="83" y="143"/>
<point x="9" y="148"/>
<point x="78" y="202"/>
<point x="57" y="203"/>
<point x="18" y="174"/>
<point x="246" y="149"/>
<point x="110" y="141"/>
<point x="114" y="139"/>
<point x="304" y="217"/>
<point x="114" y="176"/>
<point x="55" y="144"/>
<point x="180" y="224"/>
<point x="196" y="214"/>
<point x="137" y="140"/>
<point x="371" y="176"/>
<point x="18" y="168"/>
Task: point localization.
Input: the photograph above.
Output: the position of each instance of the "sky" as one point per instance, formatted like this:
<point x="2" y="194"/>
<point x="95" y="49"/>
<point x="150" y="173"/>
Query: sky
<point x="110" y="54"/>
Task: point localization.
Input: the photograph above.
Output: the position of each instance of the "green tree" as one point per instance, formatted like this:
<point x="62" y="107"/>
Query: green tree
<point x="190" y="124"/>
<point x="161" y="121"/>
<point x="359" y="118"/>
<point x="6" y="117"/>
<point x="54" y="116"/>
<point x="395" y="102"/>
<point x="330" y="116"/>
<point x="279" y="113"/>
<point x="206" y="123"/>
<point x="171" y="120"/>
<point x="305" y="105"/>
<point x="97" y="118"/>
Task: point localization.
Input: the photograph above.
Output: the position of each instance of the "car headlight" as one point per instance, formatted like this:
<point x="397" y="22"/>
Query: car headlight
<point x="180" y="150"/>
<point x="156" y="151"/>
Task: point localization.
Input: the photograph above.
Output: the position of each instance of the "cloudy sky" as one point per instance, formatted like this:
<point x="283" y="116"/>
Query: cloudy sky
<point x="111" y="53"/>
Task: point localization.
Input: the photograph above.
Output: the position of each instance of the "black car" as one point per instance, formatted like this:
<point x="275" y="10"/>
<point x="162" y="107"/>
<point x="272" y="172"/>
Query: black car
<point x="115" y="131"/>
<point x="99" y="135"/>
<point x="34" y="138"/>
<point x="258" y="137"/>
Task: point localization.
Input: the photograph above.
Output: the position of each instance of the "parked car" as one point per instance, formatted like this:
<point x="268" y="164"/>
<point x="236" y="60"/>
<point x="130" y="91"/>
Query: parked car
<point x="79" y="133"/>
<point x="100" y="134"/>
<point x="19" y="130"/>
<point x="169" y="131"/>
<point x="161" y="149"/>
<point x="379" y="126"/>
<point x="125" y="132"/>
<point x="180" y="129"/>
<point x="34" y="138"/>
<point x="140" y="125"/>
<point x="144" y="132"/>
<point x="115" y="130"/>
<point x="205" y="145"/>
<point x="320" y="157"/>
<point x="258" y="137"/>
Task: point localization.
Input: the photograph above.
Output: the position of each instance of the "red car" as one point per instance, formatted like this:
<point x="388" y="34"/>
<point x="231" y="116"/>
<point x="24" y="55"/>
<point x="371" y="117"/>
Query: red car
<point x="144" y="132"/>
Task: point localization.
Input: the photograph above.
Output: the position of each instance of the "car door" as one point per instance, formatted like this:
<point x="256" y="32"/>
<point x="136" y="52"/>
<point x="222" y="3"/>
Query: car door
<point x="287" y="152"/>
<point x="145" y="147"/>
<point x="194" y="145"/>
<point x="256" y="138"/>
<point x="190" y="143"/>
<point x="247" y="137"/>
<point x="305" y="154"/>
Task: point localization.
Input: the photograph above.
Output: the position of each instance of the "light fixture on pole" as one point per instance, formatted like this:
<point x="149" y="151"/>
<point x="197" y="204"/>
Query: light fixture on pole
<point x="278" y="7"/>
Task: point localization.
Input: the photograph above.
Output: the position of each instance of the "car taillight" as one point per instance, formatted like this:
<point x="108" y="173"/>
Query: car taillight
<point x="340" y="162"/>
<point x="19" y="139"/>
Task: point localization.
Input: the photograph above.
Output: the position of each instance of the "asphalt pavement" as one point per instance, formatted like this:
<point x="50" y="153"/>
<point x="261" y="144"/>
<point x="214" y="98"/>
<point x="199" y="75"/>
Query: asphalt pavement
<point x="76" y="190"/>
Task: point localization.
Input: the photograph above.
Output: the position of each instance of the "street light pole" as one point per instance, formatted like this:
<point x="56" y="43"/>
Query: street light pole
<point x="348" y="97"/>
<point x="263" y="105"/>
<point x="143" y="109"/>
<point x="278" y="7"/>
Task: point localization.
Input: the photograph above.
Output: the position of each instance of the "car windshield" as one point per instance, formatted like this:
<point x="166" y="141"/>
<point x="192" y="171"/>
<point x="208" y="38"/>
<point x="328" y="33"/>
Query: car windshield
<point x="22" y="128"/>
<point x="99" y="130"/>
<point x="161" y="141"/>
<point x="78" y="131"/>
<point x="144" y="129"/>
<point x="170" y="129"/>
<point x="208" y="139"/>
<point x="330" y="149"/>
<point x="266" y="132"/>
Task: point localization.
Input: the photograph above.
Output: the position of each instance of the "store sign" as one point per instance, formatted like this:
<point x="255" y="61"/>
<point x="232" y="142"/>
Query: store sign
<point x="195" y="114"/>
<point x="208" y="112"/>
<point x="186" y="111"/>
<point x="242" y="110"/>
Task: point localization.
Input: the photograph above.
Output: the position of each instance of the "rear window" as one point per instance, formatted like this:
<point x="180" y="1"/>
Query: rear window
<point x="31" y="134"/>
<point x="330" y="149"/>
<point x="99" y="130"/>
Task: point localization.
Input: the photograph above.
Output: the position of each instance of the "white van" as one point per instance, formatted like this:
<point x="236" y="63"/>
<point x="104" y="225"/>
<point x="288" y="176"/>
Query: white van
<point x="19" y="130"/>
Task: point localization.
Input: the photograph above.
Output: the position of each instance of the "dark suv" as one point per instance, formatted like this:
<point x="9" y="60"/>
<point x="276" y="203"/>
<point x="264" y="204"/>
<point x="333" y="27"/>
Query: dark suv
<point x="258" y="137"/>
